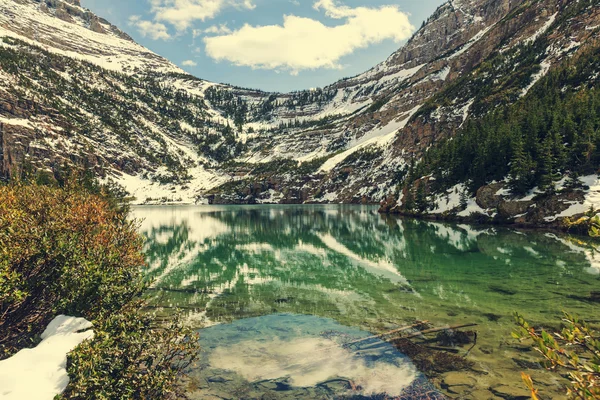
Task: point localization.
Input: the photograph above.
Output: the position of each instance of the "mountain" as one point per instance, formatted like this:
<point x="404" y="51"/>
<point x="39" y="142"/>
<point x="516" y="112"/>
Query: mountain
<point x="75" y="89"/>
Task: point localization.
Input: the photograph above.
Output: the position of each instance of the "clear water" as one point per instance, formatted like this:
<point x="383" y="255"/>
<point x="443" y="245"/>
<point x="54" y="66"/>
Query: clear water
<point x="302" y="356"/>
<point x="374" y="273"/>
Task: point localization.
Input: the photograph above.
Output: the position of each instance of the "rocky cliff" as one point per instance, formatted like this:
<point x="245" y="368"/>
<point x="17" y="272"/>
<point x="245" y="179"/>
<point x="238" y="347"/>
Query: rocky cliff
<point x="103" y="101"/>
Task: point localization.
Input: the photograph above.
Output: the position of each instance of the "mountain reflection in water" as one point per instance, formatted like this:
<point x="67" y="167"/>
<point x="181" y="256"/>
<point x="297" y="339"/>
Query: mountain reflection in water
<point x="368" y="271"/>
<point x="348" y="262"/>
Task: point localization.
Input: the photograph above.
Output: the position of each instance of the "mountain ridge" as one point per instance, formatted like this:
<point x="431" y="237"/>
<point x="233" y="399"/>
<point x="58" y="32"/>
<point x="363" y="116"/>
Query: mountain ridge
<point x="176" y="138"/>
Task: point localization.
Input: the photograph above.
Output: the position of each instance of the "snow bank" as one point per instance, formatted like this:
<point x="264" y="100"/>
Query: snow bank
<point x="40" y="373"/>
<point x="592" y="199"/>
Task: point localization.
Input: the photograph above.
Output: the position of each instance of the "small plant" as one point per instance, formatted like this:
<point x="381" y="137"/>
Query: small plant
<point x="131" y="357"/>
<point x="574" y="352"/>
<point x="594" y="228"/>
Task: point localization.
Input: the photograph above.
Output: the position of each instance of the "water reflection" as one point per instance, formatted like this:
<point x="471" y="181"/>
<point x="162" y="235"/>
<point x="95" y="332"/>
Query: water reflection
<point x="349" y="263"/>
<point x="284" y="356"/>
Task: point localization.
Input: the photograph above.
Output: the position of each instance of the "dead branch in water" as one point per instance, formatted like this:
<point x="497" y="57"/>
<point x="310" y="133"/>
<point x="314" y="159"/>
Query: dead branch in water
<point x="404" y="328"/>
<point x="434" y="330"/>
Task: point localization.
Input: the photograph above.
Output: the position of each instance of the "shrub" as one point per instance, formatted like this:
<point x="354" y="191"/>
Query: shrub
<point x="67" y="251"/>
<point x="62" y="251"/>
<point x="574" y="352"/>
<point x="131" y="357"/>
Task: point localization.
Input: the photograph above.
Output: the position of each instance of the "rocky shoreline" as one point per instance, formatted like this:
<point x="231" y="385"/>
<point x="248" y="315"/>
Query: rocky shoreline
<point x="493" y="205"/>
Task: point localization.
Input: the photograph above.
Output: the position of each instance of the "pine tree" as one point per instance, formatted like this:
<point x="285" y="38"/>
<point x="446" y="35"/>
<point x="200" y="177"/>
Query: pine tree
<point x="463" y="200"/>
<point x="421" y="203"/>
<point x="573" y="181"/>
<point x="546" y="166"/>
<point x="409" y="200"/>
<point x="520" y="169"/>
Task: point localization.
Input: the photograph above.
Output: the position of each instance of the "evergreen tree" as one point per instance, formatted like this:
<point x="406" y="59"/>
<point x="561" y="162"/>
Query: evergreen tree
<point x="421" y="203"/>
<point x="463" y="200"/>
<point x="545" y="166"/>
<point x="572" y="181"/>
<point x="409" y="200"/>
<point x="520" y="169"/>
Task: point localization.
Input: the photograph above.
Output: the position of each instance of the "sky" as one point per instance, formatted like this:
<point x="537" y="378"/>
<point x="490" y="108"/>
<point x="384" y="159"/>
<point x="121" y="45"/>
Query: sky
<point x="273" y="45"/>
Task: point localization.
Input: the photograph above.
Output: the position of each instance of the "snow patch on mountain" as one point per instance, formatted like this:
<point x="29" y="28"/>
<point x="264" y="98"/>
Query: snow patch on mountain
<point x="29" y="23"/>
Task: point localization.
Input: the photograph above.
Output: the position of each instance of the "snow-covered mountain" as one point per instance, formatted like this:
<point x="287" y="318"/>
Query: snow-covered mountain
<point x="74" y="89"/>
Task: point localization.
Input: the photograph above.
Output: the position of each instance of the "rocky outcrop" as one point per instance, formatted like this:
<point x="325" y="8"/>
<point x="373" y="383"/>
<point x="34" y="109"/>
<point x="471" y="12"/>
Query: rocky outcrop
<point x="488" y="197"/>
<point x="510" y="209"/>
<point x="15" y="141"/>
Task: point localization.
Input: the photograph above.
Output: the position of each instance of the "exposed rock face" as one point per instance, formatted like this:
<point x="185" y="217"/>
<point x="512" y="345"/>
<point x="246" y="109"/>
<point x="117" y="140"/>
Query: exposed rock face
<point x="511" y="209"/>
<point x="15" y="141"/>
<point x="96" y="26"/>
<point x="487" y="196"/>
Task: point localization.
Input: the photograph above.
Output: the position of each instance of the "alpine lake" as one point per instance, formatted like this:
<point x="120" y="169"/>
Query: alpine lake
<point x="285" y="299"/>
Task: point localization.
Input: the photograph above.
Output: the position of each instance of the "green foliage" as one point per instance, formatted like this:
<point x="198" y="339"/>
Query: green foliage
<point x="69" y="251"/>
<point x="574" y="351"/>
<point x="63" y="251"/>
<point x="552" y="131"/>
<point x="131" y="357"/>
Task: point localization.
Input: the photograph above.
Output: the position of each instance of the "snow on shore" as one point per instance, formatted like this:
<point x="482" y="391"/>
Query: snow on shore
<point x="40" y="373"/>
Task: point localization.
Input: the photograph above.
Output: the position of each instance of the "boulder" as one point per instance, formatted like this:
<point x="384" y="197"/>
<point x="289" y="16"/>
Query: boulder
<point x="486" y="196"/>
<point x="510" y="209"/>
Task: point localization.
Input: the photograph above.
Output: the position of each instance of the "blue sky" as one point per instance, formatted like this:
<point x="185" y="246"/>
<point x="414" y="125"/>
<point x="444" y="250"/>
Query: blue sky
<point x="274" y="45"/>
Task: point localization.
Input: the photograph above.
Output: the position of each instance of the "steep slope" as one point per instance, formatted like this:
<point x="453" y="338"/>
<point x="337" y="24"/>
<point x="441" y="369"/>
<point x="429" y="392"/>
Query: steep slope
<point x="468" y="59"/>
<point x="76" y="90"/>
<point x="533" y="132"/>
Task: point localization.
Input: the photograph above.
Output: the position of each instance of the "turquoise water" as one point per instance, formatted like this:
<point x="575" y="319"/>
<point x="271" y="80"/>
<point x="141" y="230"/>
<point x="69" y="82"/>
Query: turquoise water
<point x="374" y="273"/>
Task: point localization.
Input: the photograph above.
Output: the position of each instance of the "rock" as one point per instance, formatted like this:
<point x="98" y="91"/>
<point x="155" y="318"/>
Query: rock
<point x="510" y="393"/>
<point x="510" y="209"/>
<point x="218" y="379"/>
<point x="486" y="196"/>
<point x="481" y="395"/>
<point x="526" y="364"/>
<point x="388" y="204"/>
<point x="553" y="204"/>
<point x="63" y="14"/>
<point x="96" y="26"/>
<point x="455" y="379"/>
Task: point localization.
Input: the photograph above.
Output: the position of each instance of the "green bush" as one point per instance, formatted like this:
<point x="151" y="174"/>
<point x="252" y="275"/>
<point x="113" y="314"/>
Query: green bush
<point x="573" y="352"/>
<point x="67" y="251"/>
<point x="131" y="357"/>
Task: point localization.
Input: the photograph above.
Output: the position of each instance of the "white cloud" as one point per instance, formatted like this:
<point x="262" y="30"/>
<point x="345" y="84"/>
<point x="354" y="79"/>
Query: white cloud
<point x="304" y="43"/>
<point x="148" y="28"/>
<point x="182" y="13"/>
<point x="220" y="30"/>
<point x="189" y="63"/>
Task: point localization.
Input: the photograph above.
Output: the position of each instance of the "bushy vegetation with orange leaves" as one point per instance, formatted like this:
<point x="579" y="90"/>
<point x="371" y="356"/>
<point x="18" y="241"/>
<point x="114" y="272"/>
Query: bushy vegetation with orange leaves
<point x="62" y="251"/>
<point x="70" y="250"/>
<point x="573" y="352"/>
